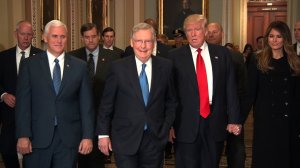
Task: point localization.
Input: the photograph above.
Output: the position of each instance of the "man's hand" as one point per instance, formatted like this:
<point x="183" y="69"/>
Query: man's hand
<point x="24" y="145"/>
<point x="85" y="146"/>
<point x="9" y="99"/>
<point x="172" y="135"/>
<point x="234" y="128"/>
<point x="104" y="145"/>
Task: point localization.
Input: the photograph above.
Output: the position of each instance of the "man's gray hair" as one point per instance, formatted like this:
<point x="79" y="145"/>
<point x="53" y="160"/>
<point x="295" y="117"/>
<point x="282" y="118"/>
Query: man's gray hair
<point x="143" y="26"/>
<point x="54" y="23"/>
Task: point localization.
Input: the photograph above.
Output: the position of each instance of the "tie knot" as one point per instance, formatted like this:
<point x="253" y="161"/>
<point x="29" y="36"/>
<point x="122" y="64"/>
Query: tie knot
<point x="22" y="52"/>
<point x="144" y="66"/>
<point x="199" y="50"/>
<point x="91" y="55"/>
<point x="56" y="60"/>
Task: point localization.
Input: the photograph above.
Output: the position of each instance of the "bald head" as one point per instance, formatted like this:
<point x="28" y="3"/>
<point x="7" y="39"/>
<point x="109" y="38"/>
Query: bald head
<point x="215" y="33"/>
<point x="297" y="31"/>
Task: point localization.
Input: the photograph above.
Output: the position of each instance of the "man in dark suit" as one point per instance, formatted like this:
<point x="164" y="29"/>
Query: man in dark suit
<point x="235" y="145"/>
<point x="297" y="37"/>
<point x="108" y="38"/>
<point x="9" y="66"/>
<point x="208" y="102"/>
<point x="103" y="58"/>
<point x="138" y="105"/>
<point x="54" y="108"/>
<point x="159" y="49"/>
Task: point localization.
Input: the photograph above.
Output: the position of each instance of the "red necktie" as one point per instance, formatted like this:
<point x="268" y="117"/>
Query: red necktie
<point x="202" y="85"/>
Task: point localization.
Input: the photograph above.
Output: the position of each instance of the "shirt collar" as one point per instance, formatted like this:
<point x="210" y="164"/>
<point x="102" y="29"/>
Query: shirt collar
<point x="138" y="62"/>
<point x="27" y="50"/>
<point x="109" y="48"/>
<point x="95" y="52"/>
<point x="203" y="47"/>
<point x="51" y="57"/>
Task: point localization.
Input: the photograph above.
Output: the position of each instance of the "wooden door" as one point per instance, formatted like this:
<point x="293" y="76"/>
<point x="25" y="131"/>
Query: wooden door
<point x="260" y="15"/>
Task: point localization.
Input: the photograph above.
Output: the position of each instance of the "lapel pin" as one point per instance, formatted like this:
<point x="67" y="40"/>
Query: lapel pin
<point x="68" y="65"/>
<point x="103" y="59"/>
<point x="216" y="57"/>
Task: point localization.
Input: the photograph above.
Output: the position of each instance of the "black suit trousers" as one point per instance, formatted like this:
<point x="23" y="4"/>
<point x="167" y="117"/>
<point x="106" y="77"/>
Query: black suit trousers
<point x="235" y="150"/>
<point x="147" y="156"/>
<point x="56" y="155"/>
<point x="204" y="152"/>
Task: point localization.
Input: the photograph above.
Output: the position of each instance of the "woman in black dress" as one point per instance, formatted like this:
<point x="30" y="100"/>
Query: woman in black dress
<point x="273" y="91"/>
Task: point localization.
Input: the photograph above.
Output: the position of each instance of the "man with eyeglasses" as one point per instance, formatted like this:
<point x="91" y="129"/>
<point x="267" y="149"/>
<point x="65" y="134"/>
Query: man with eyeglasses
<point x="99" y="60"/>
<point x="138" y="105"/>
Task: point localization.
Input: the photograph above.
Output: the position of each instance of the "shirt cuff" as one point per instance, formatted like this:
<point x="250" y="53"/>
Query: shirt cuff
<point x="103" y="136"/>
<point x="1" y="100"/>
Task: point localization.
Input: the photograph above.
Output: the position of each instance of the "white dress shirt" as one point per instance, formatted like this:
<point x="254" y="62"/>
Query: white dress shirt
<point x="206" y="57"/>
<point x="61" y="59"/>
<point x="19" y="55"/>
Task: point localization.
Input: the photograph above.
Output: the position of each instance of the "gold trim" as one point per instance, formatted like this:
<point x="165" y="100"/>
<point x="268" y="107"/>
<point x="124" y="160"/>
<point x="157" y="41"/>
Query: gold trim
<point x="57" y="9"/>
<point x="89" y="11"/>
<point x="104" y="13"/>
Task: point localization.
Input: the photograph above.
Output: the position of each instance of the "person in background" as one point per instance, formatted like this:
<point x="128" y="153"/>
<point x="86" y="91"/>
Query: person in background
<point x="159" y="49"/>
<point x="54" y="107"/>
<point x="247" y="53"/>
<point x="273" y="87"/>
<point x="99" y="60"/>
<point x="108" y="38"/>
<point x="297" y="37"/>
<point x="229" y="46"/>
<point x="162" y="38"/>
<point x="138" y="105"/>
<point x="178" y="38"/>
<point x="235" y="145"/>
<point x="208" y="105"/>
<point x="259" y="44"/>
<point x="10" y="61"/>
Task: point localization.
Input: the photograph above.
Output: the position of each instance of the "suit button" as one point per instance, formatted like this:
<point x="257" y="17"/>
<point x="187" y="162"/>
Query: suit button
<point x="285" y="79"/>
<point x="286" y="116"/>
<point x="286" y="103"/>
<point x="299" y="136"/>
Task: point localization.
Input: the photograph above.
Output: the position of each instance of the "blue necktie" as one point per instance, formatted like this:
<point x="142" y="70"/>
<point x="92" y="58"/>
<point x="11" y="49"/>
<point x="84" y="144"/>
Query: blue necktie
<point x="144" y="87"/>
<point x="56" y="80"/>
<point x="144" y="84"/>
<point x="56" y="76"/>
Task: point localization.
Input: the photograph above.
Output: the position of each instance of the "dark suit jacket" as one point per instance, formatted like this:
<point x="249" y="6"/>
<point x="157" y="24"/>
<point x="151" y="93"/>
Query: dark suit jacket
<point x="241" y="80"/>
<point x="8" y="83"/>
<point x="116" y="49"/>
<point x="122" y="106"/>
<point x="295" y="47"/>
<point x="105" y="57"/>
<point x="162" y="50"/>
<point x="225" y="104"/>
<point x="37" y="104"/>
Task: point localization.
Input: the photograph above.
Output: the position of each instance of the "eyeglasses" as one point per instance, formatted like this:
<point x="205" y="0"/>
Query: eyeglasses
<point x="146" y="42"/>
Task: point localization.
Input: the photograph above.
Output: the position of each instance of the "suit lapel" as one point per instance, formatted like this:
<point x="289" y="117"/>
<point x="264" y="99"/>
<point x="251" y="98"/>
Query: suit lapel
<point x="134" y="78"/>
<point x="214" y="58"/>
<point x="46" y="70"/>
<point x="188" y="63"/>
<point x="66" y="72"/>
<point x="156" y="75"/>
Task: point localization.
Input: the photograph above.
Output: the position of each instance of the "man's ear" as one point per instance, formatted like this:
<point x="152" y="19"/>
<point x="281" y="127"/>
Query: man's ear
<point x="131" y="43"/>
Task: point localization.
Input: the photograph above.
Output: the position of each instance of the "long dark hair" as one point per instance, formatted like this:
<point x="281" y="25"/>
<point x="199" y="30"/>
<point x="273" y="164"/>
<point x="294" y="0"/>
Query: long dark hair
<point x="264" y="58"/>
